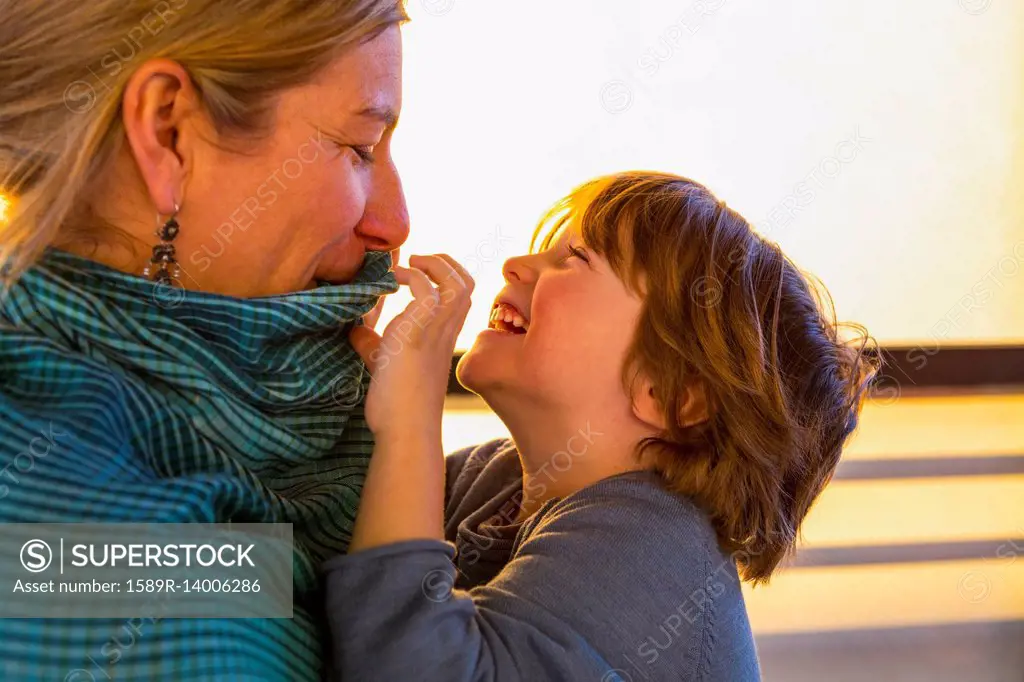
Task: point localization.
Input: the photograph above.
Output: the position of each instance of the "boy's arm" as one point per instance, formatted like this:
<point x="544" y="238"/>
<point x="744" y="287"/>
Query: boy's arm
<point x="394" y="615"/>
<point x="403" y="496"/>
<point x="400" y="487"/>
<point x="596" y="577"/>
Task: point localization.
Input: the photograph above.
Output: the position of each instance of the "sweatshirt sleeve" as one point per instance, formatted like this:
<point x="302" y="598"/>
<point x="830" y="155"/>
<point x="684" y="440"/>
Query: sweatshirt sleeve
<point x="453" y="465"/>
<point x="579" y="592"/>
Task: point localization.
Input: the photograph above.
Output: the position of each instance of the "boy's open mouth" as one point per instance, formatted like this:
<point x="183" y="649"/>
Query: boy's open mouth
<point x="507" y="318"/>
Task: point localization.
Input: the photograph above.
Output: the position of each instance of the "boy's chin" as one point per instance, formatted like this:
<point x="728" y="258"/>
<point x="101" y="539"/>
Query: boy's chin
<point x="481" y="371"/>
<point x="471" y="371"/>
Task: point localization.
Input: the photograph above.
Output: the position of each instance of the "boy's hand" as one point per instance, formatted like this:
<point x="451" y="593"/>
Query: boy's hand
<point x="370" y="318"/>
<point x="410" y="361"/>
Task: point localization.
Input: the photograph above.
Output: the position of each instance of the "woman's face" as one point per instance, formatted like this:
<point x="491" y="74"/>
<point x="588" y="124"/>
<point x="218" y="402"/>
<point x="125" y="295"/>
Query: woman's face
<point x="307" y="202"/>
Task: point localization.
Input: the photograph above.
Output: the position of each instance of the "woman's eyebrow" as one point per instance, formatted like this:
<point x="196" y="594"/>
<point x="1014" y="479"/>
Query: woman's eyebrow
<point x="384" y="114"/>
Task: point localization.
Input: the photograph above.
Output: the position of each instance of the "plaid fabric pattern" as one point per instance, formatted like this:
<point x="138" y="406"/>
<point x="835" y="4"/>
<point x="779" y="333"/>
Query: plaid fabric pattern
<point x="124" y="401"/>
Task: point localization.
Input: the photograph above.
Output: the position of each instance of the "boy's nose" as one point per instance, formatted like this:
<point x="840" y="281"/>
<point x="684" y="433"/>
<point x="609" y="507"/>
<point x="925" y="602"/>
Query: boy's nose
<point x="518" y="269"/>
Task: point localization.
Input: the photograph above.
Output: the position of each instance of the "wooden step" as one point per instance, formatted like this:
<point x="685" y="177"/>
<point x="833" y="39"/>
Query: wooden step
<point x="888" y="596"/>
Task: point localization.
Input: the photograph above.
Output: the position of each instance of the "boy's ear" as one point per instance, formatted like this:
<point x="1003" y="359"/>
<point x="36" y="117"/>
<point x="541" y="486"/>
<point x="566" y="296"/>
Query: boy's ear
<point x="693" y="411"/>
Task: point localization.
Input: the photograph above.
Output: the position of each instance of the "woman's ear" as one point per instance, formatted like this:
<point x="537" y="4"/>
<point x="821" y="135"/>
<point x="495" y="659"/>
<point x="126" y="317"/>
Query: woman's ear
<point x="692" y="411"/>
<point x="159" y="97"/>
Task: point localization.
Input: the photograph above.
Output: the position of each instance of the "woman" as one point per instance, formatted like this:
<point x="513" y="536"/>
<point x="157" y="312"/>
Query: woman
<point x="192" y="367"/>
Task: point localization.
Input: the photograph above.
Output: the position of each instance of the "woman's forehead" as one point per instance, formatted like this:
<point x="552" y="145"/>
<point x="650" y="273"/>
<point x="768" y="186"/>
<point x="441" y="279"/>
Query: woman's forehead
<point x="364" y="84"/>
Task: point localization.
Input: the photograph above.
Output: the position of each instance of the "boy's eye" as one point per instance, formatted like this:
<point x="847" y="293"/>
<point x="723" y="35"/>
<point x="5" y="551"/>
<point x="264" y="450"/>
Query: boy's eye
<point x="578" y="252"/>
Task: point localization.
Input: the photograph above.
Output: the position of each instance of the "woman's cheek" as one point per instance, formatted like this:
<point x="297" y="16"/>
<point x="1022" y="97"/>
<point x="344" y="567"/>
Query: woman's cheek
<point x="346" y="193"/>
<point x="333" y="214"/>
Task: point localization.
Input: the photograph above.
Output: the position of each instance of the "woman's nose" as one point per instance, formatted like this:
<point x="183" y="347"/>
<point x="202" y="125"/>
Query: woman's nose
<point x="385" y="223"/>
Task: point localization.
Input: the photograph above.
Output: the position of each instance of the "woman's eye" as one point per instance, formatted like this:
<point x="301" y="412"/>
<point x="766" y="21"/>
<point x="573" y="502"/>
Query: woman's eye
<point x="364" y="152"/>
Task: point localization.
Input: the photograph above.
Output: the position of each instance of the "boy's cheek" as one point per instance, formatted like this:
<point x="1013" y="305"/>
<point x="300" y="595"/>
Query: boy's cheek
<point x="562" y="305"/>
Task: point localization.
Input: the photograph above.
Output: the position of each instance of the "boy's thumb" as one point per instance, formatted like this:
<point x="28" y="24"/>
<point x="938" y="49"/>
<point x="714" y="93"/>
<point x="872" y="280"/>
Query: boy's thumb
<point x="366" y="342"/>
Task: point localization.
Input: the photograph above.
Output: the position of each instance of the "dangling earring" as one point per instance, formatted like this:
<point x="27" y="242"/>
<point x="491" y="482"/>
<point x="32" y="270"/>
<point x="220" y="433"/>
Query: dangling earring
<point x="167" y="268"/>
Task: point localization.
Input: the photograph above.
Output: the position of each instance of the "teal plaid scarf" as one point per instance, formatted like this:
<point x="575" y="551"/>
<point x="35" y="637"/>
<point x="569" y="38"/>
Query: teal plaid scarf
<point x="176" y="406"/>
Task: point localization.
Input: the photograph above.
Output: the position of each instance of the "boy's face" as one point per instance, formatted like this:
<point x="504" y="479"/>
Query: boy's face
<point x="566" y="350"/>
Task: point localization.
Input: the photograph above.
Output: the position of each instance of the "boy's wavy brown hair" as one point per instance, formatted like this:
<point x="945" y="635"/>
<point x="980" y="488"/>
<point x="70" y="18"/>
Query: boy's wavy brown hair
<point x="725" y="309"/>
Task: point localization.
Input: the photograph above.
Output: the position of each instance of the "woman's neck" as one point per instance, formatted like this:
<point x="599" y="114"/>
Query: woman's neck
<point x="118" y="250"/>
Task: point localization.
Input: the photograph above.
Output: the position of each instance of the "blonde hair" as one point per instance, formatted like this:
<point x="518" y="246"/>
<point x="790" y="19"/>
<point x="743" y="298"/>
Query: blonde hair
<point x="64" y="65"/>
<point x="725" y="307"/>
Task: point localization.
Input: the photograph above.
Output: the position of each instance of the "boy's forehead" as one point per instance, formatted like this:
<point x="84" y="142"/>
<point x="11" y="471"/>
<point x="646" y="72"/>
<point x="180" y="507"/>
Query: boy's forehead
<point x="568" y="231"/>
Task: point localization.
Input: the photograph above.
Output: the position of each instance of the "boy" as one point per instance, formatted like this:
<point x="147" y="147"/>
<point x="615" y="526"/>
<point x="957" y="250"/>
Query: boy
<point x="676" y="399"/>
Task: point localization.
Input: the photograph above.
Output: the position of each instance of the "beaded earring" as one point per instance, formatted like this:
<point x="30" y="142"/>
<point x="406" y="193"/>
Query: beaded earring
<point x="163" y="268"/>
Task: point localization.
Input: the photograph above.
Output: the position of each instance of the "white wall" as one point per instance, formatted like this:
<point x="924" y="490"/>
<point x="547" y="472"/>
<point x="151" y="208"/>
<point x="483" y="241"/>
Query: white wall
<point x="509" y="105"/>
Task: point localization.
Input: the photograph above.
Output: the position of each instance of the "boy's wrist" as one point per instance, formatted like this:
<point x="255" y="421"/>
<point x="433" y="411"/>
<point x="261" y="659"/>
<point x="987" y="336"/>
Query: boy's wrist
<point x="412" y="420"/>
<point x="410" y="433"/>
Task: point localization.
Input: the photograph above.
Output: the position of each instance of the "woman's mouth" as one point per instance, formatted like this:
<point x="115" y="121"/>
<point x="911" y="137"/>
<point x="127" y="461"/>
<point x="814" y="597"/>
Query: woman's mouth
<point x="507" y="318"/>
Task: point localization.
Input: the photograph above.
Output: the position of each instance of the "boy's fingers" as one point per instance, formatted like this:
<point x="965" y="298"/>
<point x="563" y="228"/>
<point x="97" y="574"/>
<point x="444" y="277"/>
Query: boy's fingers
<point x="467" y="279"/>
<point x="464" y="303"/>
<point x="438" y="269"/>
<point x="370" y="318"/>
<point x="366" y="342"/>
<point x="447" y="277"/>
<point x="418" y="283"/>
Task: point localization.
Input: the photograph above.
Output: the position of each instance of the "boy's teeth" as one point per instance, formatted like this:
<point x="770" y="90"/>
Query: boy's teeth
<point x="507" y="314"/>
